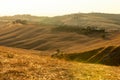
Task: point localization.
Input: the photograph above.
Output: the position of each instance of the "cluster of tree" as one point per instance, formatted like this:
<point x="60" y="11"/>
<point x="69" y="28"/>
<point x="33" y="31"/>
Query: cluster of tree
<point x="77" y="29"/>
<point x="82" y="30"/>
<point x="20" y="21"/>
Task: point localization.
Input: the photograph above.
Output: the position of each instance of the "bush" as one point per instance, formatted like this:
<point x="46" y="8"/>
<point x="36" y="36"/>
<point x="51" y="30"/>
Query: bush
<point x="10" y="55"/>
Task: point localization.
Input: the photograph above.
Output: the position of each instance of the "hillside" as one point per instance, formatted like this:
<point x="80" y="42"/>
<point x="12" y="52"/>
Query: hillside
<point x="21" y="64"/>
<point x="51" y="33"/>
<point x="107" y="21"/>
<point x="104" y="55"/>
<point x="103" y="20"/>
<point x="48" y="38"/>
<point x="70" y="47"/>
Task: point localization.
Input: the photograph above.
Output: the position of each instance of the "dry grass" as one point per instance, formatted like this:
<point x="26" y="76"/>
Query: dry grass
<point x="18" y="64"/>
<point x="21" y="66"/>
<point x="104" y="55"/>
<point x="83" y="71"/>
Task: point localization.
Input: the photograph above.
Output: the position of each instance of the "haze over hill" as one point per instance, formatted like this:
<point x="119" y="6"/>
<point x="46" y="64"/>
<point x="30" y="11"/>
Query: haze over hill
<point x="51" y="33"/>
<point x="55" y="7"/>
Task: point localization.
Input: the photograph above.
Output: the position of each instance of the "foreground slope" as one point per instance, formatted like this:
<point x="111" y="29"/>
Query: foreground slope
<point x="17" y="64"/>
<point x="20" y="64"/>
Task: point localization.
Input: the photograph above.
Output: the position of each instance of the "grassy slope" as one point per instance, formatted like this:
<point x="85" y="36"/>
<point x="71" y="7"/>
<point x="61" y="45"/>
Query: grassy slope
<point x="39" y="35"/>
<point x="34" y="36"/>
<point x="17" y="64"/>
<point x="105" y="55"/>
<point x="20" y="64"/>
<point x="108" y="21"/>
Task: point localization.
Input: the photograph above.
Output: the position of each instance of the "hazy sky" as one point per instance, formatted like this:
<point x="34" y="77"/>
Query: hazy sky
<point x="57" y="7"/>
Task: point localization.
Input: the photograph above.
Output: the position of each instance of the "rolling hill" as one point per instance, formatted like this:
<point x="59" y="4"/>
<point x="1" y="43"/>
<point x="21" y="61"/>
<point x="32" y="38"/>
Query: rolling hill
<point x="69" y="33"/>
<point x="70" y="47"/>
<point x="21" y="64"/>
<point x="104" y="55"/>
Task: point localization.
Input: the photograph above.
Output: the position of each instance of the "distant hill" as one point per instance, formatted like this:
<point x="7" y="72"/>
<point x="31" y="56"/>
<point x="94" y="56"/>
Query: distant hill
<point x="29" y="18"/>
<point x="70" y="33"/>
<point x="103" y="20"/>
<point x="107" y="21"/>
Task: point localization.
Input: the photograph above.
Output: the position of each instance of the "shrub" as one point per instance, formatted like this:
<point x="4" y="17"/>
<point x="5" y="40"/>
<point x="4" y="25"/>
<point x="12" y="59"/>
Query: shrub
<point x="10" y="55"/>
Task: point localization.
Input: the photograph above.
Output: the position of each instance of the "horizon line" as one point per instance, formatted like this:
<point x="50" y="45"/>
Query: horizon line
<point x="29" y="14"/>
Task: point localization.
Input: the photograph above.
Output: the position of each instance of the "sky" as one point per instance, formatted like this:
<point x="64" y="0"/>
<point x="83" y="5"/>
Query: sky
<point x="57" y="7"/>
